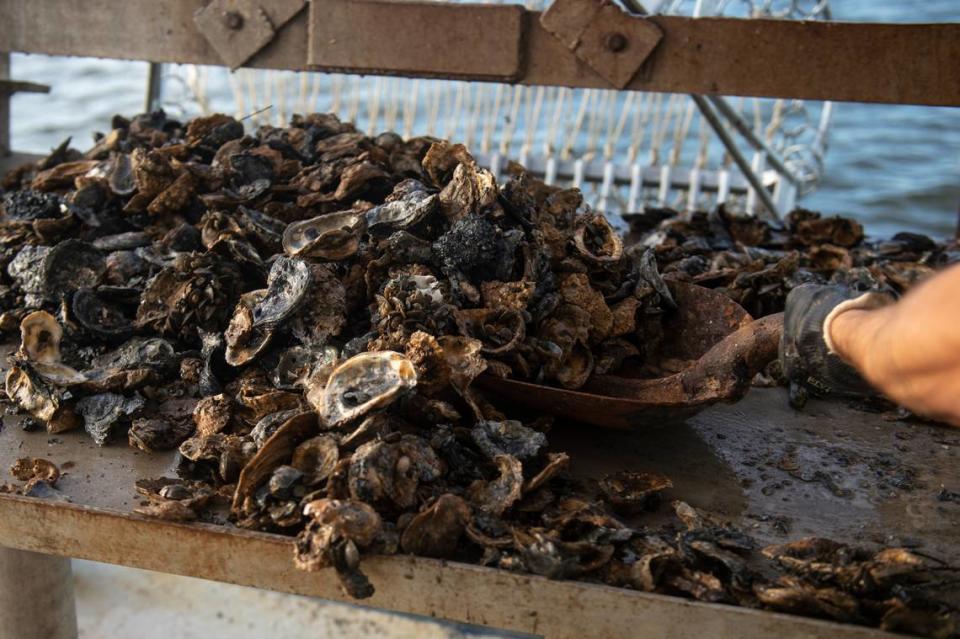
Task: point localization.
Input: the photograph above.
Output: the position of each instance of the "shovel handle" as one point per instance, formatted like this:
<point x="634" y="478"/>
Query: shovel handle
<point x="726" y="370"/>
<point x="723" y="373"/>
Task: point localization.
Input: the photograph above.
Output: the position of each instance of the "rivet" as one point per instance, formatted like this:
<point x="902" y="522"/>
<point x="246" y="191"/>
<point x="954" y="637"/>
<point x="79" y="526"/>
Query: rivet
<point x="616" y="42"/>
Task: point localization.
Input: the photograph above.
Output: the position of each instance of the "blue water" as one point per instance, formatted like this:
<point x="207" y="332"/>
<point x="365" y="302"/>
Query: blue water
<point x="892" y="167"/>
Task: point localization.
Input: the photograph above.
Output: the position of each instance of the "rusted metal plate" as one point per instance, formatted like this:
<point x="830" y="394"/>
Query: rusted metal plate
<point x="237" y="29"/>
<point x="893" y="63"/>
<point x="408" y="584"/>
<point x="416" y="38"/>
<point x="601" y="34"/>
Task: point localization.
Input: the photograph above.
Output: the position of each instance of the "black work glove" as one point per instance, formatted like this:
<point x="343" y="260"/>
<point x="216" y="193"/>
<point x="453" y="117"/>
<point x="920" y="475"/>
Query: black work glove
<point x="808" y="362"/>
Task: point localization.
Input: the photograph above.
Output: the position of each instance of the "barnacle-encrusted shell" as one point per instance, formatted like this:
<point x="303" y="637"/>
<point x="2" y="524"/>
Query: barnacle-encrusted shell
<point x="363" y="383"/>
<point x="333" y="236"/>
<point x="499" y="330"/>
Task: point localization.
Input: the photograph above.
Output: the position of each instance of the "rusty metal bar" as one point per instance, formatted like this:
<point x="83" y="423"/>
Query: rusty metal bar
<point x="891" y="63"/>
<point x="154" y="86"/>
<point x="36" y="596"/>
<point x="405" y="583"/>
<point x="4" y="106"/>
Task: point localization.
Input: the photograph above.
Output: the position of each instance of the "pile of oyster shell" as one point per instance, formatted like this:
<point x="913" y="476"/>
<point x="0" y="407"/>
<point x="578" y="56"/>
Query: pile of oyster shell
<point x="301" y="313"/>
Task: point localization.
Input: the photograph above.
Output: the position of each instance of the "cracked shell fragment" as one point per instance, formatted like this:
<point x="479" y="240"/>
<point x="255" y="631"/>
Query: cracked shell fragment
<point x="363" y="383"/>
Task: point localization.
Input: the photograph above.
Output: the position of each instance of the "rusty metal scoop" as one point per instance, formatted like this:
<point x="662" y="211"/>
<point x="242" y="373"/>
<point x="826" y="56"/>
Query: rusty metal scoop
<point x="726" y="345"/>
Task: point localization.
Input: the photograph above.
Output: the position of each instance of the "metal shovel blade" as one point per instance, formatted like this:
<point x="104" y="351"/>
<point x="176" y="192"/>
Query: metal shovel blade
<point x="729" y="350"/>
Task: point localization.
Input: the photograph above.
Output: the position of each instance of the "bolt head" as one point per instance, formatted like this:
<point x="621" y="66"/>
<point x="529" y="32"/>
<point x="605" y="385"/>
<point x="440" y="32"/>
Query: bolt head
<point x="233" y="20"/>
<point x="616" y="42"/>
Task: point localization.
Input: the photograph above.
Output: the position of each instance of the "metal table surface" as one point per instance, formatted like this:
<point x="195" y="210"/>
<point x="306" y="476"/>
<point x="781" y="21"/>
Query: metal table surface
<point x="830" y="471"/>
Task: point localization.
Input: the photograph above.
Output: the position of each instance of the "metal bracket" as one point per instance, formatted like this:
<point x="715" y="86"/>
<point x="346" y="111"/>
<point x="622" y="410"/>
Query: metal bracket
<point x="238" y="29"/>
<point x="604" y="37"/>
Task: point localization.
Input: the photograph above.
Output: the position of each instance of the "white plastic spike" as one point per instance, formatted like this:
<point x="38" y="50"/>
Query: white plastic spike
<point x="550" y="173"/>
<point x="636" y="185"/>
<point x="578" y="173"/>
<point x="664" y="191"/>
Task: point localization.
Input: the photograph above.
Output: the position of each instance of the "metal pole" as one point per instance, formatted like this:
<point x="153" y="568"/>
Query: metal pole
<point x="741" y="162"/>
<point x="36" y="596"/>
<point x="744" y="129"/>
<point x="154" y="87"/>
<point x="4" y="106"/>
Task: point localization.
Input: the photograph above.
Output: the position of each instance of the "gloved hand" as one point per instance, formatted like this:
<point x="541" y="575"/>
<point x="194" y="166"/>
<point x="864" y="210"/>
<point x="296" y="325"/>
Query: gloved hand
<point x="806" y="353"/>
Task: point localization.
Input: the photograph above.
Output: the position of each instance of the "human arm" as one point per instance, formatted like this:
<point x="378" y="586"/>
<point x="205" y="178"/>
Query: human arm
<point x="910" y="350"/>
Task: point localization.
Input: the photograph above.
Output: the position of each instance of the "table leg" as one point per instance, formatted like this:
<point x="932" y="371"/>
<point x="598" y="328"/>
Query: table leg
<point x="36" y="596"/>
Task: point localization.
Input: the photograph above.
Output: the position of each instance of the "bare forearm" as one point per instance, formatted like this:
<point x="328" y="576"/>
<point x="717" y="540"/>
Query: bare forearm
<point x="911" y="350"/>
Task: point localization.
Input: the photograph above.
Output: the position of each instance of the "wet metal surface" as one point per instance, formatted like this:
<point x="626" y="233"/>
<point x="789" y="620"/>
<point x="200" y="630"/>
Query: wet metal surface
<point x="830" y="471"/>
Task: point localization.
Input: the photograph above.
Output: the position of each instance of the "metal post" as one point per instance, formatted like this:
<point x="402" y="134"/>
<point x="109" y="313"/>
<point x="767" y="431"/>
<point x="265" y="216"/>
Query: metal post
<point x="4" y="106"/>
<point x="36" y="596"/>
<point x="711" y="116"/>
<point x="154" y="87"/>
<point x="727" y="111"/>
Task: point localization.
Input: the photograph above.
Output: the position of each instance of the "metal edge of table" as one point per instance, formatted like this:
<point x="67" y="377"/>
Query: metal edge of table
<point x="436" y="588"/>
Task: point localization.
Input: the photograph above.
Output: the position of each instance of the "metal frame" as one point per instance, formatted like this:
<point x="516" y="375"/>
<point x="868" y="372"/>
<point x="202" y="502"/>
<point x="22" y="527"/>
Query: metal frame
<point x="887" y="63"/>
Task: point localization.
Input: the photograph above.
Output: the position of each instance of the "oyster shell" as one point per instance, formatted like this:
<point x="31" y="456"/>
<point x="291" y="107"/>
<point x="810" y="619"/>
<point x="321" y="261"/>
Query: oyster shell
<point x="101" y="318"/>
<point x="244" y="339"/>
<point x="596" y="240"/>
<point x="287" y="286"/>
<point x="335" y="532"/>
<point x="102" y="412"/>
<point x="70" y="265"/>
<point x="630" y="492"/>
<point x="334" y="236"/>
<point x="436" y="531"/>
<point x="409" y="204"/>
<point x="316" y="458"/>
<point x="363" y="383"/>
<point x="40" y="336"/>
